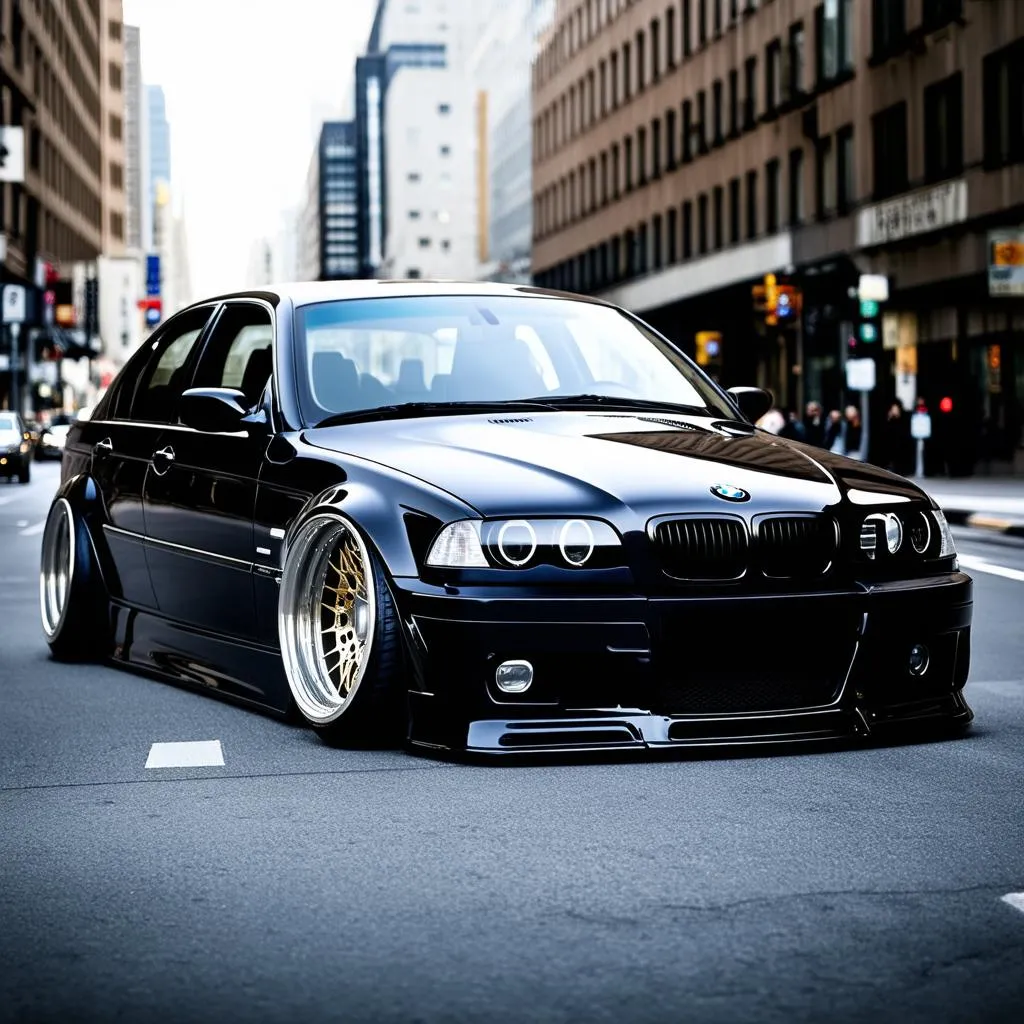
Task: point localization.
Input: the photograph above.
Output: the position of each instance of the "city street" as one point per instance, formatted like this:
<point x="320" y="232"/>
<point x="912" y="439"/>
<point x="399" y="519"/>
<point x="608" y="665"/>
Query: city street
<point x="294" y="882"/>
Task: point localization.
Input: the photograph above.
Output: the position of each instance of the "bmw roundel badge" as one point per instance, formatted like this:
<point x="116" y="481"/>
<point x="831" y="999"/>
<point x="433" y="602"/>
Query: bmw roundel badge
<point x="729" y="493"/>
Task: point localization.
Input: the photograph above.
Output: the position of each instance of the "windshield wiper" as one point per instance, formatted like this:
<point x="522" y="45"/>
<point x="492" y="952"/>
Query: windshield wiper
<point x="429" y="409"/>
<point x="622" y="401"/>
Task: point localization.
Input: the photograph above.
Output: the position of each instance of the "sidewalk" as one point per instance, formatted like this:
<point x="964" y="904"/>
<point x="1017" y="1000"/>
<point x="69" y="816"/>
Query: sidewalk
<point x="989" y="503"/>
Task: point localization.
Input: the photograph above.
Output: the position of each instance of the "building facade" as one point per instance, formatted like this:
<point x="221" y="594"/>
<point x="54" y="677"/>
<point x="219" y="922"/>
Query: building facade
<point x="52" y="80"/>
<point x="158" y="145"/>
<point x="686" y="149"/>
<point x="416" y="110"/>
<point x="138" y="217"/>
<point x="112" y="101"/>
<point x="500" y="70"/>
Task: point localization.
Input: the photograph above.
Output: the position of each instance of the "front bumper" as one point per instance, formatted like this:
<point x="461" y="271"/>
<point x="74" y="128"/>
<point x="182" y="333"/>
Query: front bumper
<point x="638" y="673"/>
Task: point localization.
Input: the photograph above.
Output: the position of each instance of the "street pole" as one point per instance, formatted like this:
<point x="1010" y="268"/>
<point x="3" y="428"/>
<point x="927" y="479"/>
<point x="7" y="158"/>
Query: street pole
<point x="864" y="425"/>
<point x="919" y="467"/>
<point x="15" y="330"/>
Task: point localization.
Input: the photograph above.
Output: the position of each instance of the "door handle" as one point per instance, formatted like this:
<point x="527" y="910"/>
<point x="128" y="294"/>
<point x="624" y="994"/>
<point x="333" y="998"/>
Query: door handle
<point x="163" y="455"/>
<point x="104" y="447"/>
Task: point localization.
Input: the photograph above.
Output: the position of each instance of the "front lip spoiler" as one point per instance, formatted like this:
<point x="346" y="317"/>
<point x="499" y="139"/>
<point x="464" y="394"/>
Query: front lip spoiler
<point x="639" y="731"/>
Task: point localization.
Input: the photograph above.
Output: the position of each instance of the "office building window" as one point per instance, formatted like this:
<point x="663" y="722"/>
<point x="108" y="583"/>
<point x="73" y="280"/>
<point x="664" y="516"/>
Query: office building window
<point x="659" y="253"/>
<point x="114" y="30"/>
<point x="424" y="243"/>
<point x="116" y="225"/>
<point x="773" y="76"/>
<point x="641" y="62"/>
<point x="1003" y="86"/>
<point x="702" y="121"/>
<point x="627" y="154"/>
<point x="771" y="196"/>
<point x="116" y="175"/>
<point x="734" y="102"/>
<point x="751" y="204"/>
<point x="656" y="147"/>
<point x="702" y="21"/>
<point x="846" y="170"/>
<point x="687" y="131"/>
<point x="702" y="223"/>
<point x="604" y="178"/>
<point x="414" y="215"/>
<point x="673" y="235"/>
<point x="834" y="39"/>
<point x="641" y="156"/>
<point x="116" y="127"/>
<point x="670" y="139"/>
<point x="734" y="211"/>
<point x="936" y="13"/>
<point x="825" y="179"/>
<point x="670" y="37"/>
<point x="613" y="72"/>
<point x="716" y="105"/>
<point x="797" y="59"/>
<point x="888" y="27"/>
<point x="616" y="188"/>
<point x="655" y="50"/>
<point x="446" y="151"/>
<point x="687" y="229"/>
<point x="944" y="128"/>
<point x="718" y="214"/>
<point x="889" y="135"/>
<point x="687" y="28"/>
<point x="627" y="73"/>
<point x="114" y="73"/>
<point x="750" y="92"/>
<point x="718" y="17"/>
<point x="796" y="187"/>
<point x="444" y="108"/>
<point x="412" y="273"/>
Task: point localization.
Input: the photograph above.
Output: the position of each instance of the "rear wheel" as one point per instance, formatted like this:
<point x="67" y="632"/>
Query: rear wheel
<point x="72" y="603"/>
<point x="339" y="634"/>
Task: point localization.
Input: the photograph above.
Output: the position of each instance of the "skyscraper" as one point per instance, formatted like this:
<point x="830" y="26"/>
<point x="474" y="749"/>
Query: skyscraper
<point x="138" y="216"/>
<point x="159" y="146"/>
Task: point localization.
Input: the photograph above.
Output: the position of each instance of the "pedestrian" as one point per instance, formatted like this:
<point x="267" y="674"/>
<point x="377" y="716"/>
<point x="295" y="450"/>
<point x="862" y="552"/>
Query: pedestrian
<point x="815" y="424"/>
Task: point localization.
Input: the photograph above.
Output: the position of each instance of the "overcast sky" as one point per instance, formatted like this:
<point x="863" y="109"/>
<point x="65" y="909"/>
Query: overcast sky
<point x="247" y="83"/>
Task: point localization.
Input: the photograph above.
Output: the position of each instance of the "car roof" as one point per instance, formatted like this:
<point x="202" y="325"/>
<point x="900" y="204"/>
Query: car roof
<point x="304" y="293"/>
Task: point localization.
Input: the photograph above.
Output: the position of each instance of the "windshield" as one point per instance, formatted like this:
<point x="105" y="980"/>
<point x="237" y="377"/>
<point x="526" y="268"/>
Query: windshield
<point x="7" y="422"/>
<point x="361" y="354"/>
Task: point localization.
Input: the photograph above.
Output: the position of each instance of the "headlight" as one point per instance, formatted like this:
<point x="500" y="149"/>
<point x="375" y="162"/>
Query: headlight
<point x="947" y="547"/>
<point x="524" y="543"/>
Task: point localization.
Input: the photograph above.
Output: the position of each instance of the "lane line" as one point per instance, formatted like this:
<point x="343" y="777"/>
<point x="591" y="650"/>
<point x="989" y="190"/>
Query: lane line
<point x="31" y="531"/>
<point x="1016" y="900"/>
<point x="190" y="754"/>
<point x="983" y="565"/>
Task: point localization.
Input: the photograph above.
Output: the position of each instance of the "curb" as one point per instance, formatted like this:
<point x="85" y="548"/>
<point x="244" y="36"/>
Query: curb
<point x="985" y="521"/>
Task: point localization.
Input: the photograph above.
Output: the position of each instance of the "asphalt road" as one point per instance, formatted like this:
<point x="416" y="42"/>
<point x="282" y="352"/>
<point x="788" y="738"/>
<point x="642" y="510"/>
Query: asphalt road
<point x="299" y="883"/>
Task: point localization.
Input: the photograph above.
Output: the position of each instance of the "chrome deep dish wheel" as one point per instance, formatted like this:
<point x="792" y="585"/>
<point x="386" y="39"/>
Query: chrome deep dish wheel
<point x="58" y="560"/>
<point x="326" y="616"/>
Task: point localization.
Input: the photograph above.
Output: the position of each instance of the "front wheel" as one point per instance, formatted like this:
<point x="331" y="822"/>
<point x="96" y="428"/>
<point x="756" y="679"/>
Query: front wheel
<point x="339" y="633"/>
<point x="25" y="473"/>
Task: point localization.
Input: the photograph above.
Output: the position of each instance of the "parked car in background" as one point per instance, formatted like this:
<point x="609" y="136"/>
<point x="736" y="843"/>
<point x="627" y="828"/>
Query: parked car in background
<point x="53" y="437"/>
<point x="15" y="448"/>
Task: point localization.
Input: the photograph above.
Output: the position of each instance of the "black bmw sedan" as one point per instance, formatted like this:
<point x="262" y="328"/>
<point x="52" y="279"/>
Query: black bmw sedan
<point x="492" y="519"/>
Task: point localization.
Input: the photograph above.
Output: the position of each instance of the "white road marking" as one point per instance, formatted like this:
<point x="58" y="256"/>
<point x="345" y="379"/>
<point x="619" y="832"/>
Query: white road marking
<point x="31" y="531"/>
<point x="1016" y="900"/>
<point x="983" y="565"/>
<point x="190" y="754"/>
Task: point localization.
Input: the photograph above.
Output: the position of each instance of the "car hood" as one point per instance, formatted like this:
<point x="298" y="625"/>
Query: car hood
<point x="552" y="462"/>
<point x="9" y="437"/>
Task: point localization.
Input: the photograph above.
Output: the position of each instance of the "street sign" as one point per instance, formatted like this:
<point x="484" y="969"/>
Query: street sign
<point x="920" y="426"/>
<point x="12" y="153"/>
<point x="860" y="374"/>
<point x="14" y="304"/>
<point x="1006" y="262"/>
<point x="152" y="274"/>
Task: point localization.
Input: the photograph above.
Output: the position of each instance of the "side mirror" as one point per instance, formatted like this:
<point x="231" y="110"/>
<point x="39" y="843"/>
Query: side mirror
<point x="753" y="402"/>
<point x="214" y="410"/>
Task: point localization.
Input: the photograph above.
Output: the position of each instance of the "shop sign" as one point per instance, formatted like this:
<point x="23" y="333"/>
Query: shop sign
<point x="920" y="426"/>
<point x="916" y="213"/>
<point x="1006" y="262"/>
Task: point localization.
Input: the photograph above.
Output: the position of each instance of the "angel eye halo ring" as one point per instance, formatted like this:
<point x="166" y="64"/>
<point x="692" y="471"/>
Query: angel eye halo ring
<point x="570" y="549"/>
<point x="512" y="551"/>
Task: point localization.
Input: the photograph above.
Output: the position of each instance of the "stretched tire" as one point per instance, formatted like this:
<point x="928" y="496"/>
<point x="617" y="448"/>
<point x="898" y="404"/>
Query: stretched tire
<point x="339" y="634"/>
<point x="72" y="602"/>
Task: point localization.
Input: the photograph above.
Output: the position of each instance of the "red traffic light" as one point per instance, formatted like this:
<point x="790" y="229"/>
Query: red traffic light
<point x="946" y="405"/>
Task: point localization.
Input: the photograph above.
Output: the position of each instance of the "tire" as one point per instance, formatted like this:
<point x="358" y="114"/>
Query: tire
<point x="73" y="604"/>
<point x="339" y="634"/>
<point x="25" y="473"/>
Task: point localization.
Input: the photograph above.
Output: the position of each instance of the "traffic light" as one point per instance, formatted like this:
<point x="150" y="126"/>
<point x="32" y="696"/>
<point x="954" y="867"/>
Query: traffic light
<point x="771" y="298"/>
<point x="869" y="329"/>
<point x="709" y="348"/>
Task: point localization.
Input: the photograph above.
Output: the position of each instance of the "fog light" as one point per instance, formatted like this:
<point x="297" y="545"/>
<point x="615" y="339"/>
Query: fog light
<point x="919" y="660"/>
<point x="514" y="676"/>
